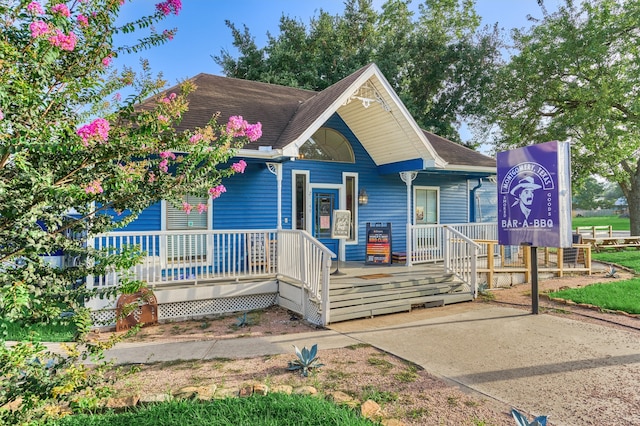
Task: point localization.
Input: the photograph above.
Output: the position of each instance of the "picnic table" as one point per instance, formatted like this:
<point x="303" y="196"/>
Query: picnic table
<point x="618" y="243"/>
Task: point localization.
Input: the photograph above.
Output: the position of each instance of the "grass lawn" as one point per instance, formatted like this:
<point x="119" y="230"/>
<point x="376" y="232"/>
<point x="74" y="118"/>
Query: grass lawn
<point x="54" y="332"/>
<point x="270" y="410"/>
<point x="629" y="258"/>
<point x="617" y="296"/>
<point x="617" y="223"/>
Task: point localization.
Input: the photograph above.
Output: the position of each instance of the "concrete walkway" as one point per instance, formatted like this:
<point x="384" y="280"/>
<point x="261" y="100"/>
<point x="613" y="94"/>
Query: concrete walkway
<point x="574" y="372"/>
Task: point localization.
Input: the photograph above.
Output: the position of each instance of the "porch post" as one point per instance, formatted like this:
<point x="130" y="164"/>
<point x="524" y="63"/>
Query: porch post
<point x="407" y="178"/>
<point x="276" y="169"/>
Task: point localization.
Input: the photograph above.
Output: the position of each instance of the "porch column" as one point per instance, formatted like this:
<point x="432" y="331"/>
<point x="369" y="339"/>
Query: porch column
<point x="408" y="177"/>
<point x="276" y="169"/>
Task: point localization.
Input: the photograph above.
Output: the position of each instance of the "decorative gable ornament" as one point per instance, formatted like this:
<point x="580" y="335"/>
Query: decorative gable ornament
<point x="367" y="94"/>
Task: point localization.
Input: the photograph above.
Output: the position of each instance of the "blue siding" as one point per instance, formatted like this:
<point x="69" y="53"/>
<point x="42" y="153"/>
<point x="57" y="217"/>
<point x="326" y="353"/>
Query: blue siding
<point x="147" y="220"/>
<point x="251" y="198"/>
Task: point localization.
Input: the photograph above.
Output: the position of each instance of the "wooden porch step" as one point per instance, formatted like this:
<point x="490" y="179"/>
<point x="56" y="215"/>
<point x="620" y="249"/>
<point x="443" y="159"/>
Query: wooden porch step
<point x="401" y="293"/>
<point x="395" y="306"/>
<point x="390" y="283"/>
<point x="385" y="293"/>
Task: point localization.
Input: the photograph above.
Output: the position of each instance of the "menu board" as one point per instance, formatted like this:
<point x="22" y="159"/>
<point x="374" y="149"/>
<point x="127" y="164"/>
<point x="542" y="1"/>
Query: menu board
<point x="378" y="244"/>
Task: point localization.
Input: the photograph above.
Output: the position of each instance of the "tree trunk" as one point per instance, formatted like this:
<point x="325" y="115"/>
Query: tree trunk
<point x="633" y="200"/>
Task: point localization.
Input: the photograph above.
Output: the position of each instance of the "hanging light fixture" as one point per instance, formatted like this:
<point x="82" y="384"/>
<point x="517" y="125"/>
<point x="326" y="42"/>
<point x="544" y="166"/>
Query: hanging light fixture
<point x="363" y="198"/>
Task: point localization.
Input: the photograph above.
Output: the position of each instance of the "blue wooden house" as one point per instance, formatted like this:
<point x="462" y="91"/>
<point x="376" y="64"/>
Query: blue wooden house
<point x="352" y="147"/>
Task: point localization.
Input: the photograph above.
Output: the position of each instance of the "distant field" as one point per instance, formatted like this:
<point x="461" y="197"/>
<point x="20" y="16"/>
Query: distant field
<point x="618" y="224"/>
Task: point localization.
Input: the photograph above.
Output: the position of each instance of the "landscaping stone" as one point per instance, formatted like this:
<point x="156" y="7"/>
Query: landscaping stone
<point x="371" y="410"/>
<point x="286" y="389"/>
<point x="306" y="390"/>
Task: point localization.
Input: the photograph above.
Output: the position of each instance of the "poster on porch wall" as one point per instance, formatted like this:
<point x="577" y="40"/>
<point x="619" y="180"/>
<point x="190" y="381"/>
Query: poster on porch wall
<point x="534" y="195"/>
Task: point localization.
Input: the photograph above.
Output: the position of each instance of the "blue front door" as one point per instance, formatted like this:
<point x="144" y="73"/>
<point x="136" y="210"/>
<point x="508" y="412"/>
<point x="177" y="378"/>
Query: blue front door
<point x="324" y="202"/>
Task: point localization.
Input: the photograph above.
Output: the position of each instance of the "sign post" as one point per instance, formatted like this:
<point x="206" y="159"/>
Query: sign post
<point x="341" y="230"/>
<point x="534" y="201"/>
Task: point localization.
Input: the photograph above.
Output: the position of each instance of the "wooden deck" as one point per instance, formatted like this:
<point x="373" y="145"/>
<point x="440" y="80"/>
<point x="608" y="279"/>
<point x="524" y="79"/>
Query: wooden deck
<point x="362" y="291"/>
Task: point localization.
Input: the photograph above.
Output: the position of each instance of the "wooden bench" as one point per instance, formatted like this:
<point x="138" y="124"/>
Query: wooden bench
<point x="600" y="231"/>
<point x="617" y="243"/>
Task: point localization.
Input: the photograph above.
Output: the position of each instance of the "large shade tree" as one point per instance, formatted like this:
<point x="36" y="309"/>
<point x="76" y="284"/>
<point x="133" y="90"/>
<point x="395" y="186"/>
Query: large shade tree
<point x="576" y="77"/>
<point x="77" y="160"/>
<point x="439" y="62"/>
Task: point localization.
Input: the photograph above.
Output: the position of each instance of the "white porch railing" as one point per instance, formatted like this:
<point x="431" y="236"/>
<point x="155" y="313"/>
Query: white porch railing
<point x="427" y="241"/>
<point x="461" y="257"/>
<point x="194" y="257"/>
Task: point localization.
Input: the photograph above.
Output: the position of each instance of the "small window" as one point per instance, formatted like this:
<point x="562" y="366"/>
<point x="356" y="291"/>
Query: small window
<point x="426" y="205"/>
<point x="350" y="189"/>
<point x="327" y="145"/>
<point x="179" y="220"/>
<point x="301" y="201"/>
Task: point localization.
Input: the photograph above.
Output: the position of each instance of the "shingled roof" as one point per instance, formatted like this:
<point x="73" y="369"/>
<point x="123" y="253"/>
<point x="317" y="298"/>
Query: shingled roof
<point x="286" y="112"/>
<point x="454" y="153"/>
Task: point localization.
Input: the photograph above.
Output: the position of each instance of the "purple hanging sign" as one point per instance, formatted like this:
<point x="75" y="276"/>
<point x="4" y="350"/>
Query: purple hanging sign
<point x="534" y="196"/>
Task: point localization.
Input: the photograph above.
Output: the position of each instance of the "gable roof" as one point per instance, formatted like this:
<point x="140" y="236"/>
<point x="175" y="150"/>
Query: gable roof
<point x="459" y="156"/>
<point x="364" y="100"/>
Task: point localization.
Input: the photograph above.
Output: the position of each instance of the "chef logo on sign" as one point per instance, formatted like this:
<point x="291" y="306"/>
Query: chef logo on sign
<point x="526" y="197"/>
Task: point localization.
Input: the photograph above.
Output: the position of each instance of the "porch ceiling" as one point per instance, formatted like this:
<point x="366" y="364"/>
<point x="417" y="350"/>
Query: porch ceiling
<point x="388" y="136"/>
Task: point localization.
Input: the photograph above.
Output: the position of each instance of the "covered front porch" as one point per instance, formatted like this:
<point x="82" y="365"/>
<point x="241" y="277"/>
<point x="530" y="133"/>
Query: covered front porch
<point x="200" y="273"/>
<point x="204" y="273"/>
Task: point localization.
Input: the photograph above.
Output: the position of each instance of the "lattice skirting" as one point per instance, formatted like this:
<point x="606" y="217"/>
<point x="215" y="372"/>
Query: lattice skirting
<point x="509" y="279"/>
<point x="180" y="311"/>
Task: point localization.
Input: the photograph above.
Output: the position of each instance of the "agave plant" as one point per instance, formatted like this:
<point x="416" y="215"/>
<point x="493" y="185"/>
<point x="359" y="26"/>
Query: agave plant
<point x="307" y="359"/>
<point x="522" y="420"/>
<point x="243" y="321"/>
<point x="611" y="273"/>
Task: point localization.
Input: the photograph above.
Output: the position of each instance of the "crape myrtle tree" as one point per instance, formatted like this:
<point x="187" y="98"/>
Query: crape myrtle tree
<point x="77" y="159"/>
<point x="439" y="60"/>
<point x="575" y="77"/>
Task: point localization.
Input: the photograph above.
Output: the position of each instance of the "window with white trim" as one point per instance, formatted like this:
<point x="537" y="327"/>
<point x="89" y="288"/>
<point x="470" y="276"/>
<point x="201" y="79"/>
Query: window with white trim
<point x="426" y="203"/>
<point x="186" y="246"/>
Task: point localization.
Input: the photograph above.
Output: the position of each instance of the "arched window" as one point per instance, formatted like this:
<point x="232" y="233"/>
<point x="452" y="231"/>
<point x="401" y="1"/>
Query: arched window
<point x="327" y="145"/>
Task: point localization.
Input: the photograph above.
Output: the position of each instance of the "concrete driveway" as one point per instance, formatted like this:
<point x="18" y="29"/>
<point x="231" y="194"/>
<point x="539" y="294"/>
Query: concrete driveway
<point x="574" y="372"/>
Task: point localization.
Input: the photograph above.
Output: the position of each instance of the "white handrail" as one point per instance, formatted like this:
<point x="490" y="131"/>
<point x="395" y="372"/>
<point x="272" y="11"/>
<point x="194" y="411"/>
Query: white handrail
<point x="461" y="256"/>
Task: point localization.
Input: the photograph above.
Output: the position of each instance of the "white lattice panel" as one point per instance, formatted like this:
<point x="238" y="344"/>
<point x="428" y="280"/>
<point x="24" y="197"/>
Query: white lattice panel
<point x="196" y="308"/>
<point x="200" y="308"/>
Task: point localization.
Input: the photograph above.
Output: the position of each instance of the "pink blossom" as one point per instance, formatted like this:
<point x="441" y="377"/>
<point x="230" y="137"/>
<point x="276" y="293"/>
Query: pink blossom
<point x="94" y="187"/>
<point x="117" y="97"/>
<point x="98" y="129"/>
<point x="163" y="118"/>
<point x="169" y="6"/>
<point x="38" y="28"/>
<point x="1" y="115"/>
<point x="106" y="61"/>
<point x="168" y="34"/>
<point x="62" y="9"/>
<point x="167" y="154"/>
<point x="236" y="125"/>
<point x="239" y="166"/>
<point x="83" y="21"/>
<point x="202" y="208"/>
<point x="254" y="131"/>
<point x="186" y="207"/>
<point x="35" y="8"/>
<point x="196" y="138"/>
<point x="64" y="42"/>
<point x="152" y="177"/>
<point x="164" y="165"/>
<point x="217" y="191"/>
